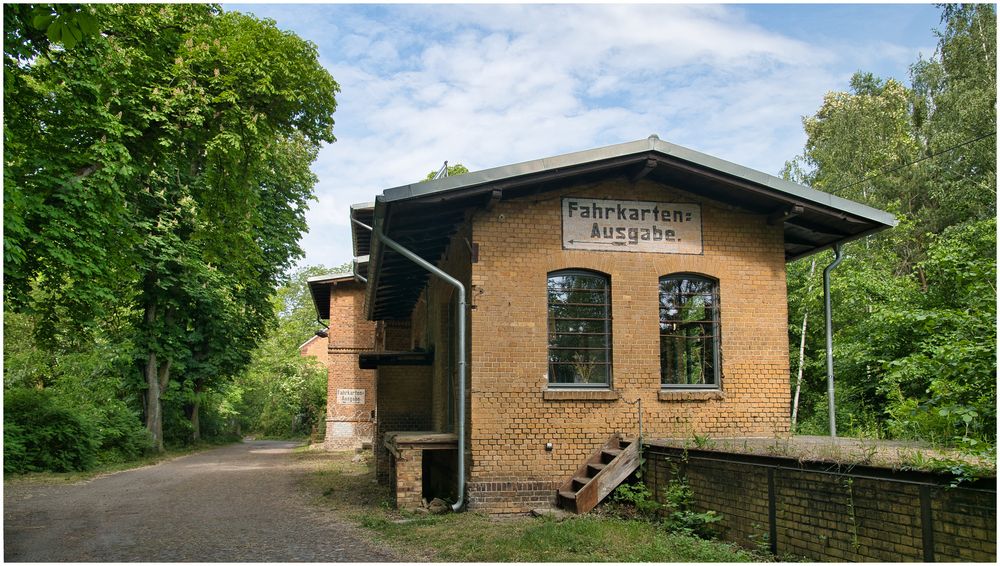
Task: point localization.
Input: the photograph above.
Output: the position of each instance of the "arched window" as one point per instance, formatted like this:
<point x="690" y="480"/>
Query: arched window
<point x="579" y="329"/>
<point x="689" y="331"/>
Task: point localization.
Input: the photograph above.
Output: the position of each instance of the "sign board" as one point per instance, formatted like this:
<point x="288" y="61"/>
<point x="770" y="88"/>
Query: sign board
<point x="350" y="396"/>
<point x="342" y="430"/>
<point x="631" y="226"/>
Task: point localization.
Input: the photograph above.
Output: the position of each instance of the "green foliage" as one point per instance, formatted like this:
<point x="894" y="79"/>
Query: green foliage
<point x="156" y="175"/>
<point x="122" y="436"/>
<point x="65" y="24"/>
<point x="46" y="433"/>
<point x="675" y="512"/>
<point x="915" y="307"/>
<point x="88" y="370"/>
<point x="681" y="517"/>
<point x="282" y="393"/>
<point x="453" y="170"/>
<point x="638" y="496"/>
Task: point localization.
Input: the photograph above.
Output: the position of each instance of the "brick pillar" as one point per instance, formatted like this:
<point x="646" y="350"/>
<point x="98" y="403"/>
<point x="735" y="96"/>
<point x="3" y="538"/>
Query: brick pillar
<point x="409" y="478"/>
<point x="350" y="390"/>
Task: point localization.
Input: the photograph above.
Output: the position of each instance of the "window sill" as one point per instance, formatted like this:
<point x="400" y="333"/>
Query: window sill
<point x="579" y="395"/>
<point x="689" y="395"/>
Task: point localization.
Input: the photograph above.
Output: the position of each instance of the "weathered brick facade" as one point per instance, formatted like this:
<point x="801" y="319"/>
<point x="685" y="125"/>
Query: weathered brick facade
<point x="514" y="414"/>
<point x="350" y="391"/>
<point x="835" y="513"/>
<point x="403" y="393"/>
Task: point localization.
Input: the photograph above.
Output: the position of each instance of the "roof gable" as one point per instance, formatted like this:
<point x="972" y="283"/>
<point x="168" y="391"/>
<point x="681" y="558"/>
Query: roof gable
<point x="423" y="216"/>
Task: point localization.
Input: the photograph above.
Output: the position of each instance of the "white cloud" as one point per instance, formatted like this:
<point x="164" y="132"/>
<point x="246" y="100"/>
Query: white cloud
<point x="491" y="85"/>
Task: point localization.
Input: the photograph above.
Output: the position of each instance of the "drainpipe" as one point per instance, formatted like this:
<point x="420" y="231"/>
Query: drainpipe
<point x="354" y="262"/>
<point x="462" y="370"/>
<point x="829" y="338"/>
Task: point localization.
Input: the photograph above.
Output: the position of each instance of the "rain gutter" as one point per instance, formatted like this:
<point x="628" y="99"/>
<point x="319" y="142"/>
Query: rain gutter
<point x="829" y="338"/>
<point x="462" y="364"/>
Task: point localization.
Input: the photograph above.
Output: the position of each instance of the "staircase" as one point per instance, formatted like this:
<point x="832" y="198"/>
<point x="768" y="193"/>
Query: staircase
<point x="603" y="471"/>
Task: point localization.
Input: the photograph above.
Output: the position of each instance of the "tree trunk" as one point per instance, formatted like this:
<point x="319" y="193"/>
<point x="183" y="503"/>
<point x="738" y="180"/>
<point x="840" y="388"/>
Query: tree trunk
<point x="195" y="414"/>
<point x="802" y="350"/>
<point x="154" y="418"/>
<point x="157" y="378"/>
<point x="798" y="380"/>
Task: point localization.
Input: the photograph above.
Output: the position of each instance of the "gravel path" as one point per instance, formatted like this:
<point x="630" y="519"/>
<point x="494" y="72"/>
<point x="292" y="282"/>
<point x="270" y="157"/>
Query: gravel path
<point x="238" y="503"/>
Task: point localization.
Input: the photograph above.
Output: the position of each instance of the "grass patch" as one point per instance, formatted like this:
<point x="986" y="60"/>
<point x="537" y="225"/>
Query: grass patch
<point x="349" y="487"/>
<point x="110" y="468"/>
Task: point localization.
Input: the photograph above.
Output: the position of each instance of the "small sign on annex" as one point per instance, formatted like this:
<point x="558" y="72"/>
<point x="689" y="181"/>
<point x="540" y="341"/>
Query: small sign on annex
<point x="350" y="396"/>
<point x="631" y="226"/>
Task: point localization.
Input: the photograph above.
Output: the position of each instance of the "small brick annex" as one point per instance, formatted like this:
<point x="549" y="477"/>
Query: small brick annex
<point x="350" y="407"/>
<point x="503" y="232"/>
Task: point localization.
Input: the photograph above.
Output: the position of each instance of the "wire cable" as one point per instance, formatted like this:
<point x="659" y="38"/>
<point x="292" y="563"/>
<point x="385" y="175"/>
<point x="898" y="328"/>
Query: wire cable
<point x="924" y="158"/>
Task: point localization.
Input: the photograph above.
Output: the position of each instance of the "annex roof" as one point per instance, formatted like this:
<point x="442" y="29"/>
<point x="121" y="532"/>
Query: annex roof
<point x="423" y="216"/>
<point x="320" y="297"/>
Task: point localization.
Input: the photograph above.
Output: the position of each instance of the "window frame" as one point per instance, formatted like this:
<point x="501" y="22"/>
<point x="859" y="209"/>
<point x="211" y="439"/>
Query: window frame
<point x="608" y="331"/>
<point x="716" y="337"/>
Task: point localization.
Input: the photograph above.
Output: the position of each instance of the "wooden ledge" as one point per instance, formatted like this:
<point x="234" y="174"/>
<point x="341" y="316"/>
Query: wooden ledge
<point x="580" y="395"/>
<point x="420" y="440"/>
<point x="690" y="395"/>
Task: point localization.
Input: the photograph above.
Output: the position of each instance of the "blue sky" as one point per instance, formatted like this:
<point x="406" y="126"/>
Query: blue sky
<point x="489" y="85"/>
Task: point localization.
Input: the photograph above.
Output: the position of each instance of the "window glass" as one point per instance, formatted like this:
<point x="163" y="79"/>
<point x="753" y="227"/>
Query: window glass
<point x="689" y="331"/>
<point x="579" y="329"/>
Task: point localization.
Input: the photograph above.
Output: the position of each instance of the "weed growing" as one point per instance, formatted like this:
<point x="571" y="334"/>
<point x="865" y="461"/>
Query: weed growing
<point x="349" y="488"/>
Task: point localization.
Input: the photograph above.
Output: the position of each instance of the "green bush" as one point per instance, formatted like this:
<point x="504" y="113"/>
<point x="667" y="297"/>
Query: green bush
<point x="681" y="517"/>
<point x="14" y="453"/>
<point x="44" y="433"/>
<point x="122" y="435"/>
<point x="638" y="496"/>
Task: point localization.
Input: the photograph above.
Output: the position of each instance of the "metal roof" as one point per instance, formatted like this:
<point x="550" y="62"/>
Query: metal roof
<point x="423" y="216"/>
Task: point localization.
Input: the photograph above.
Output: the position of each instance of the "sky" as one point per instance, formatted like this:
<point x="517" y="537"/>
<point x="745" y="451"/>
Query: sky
<point x="491" y="85"/>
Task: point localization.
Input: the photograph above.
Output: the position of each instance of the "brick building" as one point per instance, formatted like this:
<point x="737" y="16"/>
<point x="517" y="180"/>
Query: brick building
<point x="637" y="275"/>
<point x="350" y="406"/>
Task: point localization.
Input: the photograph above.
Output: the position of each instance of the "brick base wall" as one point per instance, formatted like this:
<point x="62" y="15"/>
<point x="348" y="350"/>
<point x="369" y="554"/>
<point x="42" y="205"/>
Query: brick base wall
<point x="828" y="512"/>
<point x="510" y="497"/>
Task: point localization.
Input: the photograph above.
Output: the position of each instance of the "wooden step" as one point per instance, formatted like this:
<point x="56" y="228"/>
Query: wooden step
<point x="599" y="475"/>
<point x="609" y="454"/>
<point x="567" y="499"/>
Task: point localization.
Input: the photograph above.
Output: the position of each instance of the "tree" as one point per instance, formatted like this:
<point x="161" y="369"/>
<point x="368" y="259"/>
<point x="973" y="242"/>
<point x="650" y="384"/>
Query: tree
<point x="279" y="385"/>
<point x="169" y="156"/>
<point x="914" y="308"/>
<point x="451" y="170"/>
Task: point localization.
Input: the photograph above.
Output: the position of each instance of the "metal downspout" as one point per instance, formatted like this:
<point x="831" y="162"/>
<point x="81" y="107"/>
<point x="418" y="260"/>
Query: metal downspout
<point x="354" y="262"/>
<point x="461" y="349"/>
<point x="829" y="338"/>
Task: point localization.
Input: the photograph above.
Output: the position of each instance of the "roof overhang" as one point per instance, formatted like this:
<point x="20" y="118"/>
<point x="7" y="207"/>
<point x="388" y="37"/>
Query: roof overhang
<point x="362" y="216"/>
<point x="423" y="216"/>
<point x="319" y="290"/>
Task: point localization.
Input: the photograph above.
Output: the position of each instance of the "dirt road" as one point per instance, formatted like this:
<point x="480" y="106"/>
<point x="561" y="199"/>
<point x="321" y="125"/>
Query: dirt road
<point x="238" y="503"/>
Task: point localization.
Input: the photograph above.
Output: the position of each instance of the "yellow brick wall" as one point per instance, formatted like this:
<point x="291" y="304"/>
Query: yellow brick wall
<point x="348" y="425"/>
<point x="403" y="395"/>
<point x="519" y="244"/>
